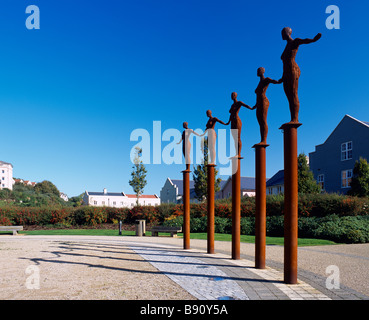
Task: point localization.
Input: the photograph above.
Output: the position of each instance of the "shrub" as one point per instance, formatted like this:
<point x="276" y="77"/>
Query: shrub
<point x="90" y="216"/>
<point x="222" y="225"/>
<point x="275" y="205"/>
<point x="5" y="221"/>
<point x="247" y="226"/>
<point x="166" y="210"/>
<point x="223" y="210"/>
<point x="149" y="213"/>
<point x="275" y="226"/>
<point x="343" y="229"/>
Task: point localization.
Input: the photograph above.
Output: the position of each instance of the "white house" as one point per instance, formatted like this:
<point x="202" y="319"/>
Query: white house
<point x="275" y="185"/>
<point x="172" y="191"/>
<point x="118" y="199"/>
<point x="6" y="175"/>
<point x="64" y="196"/>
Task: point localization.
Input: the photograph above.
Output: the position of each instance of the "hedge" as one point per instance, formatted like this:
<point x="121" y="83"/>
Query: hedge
<point x="335" y="228"/>
<point x="311" y="207"/>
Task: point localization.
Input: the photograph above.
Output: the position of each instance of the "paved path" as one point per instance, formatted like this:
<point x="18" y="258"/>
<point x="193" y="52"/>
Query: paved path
<point x="217" y="276"/>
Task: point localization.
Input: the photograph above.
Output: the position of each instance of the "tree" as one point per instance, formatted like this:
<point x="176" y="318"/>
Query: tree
<point x="138" y="181"/>
<point x="306" y="181"/>
<point x="200" y="176"/>
<point x="47" y="187"/>
<point x="360" y="179"/>
<point x="76" y="201"/>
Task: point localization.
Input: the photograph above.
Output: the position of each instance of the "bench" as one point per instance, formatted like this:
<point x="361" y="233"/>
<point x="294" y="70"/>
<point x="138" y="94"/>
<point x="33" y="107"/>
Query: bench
<point x="172" y="230"/>
<point x="15" y="229"/>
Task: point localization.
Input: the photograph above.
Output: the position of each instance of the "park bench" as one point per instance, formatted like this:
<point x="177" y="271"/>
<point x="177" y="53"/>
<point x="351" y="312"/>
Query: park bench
<point x="172" y="230"/>
<point x="15" y="229"/>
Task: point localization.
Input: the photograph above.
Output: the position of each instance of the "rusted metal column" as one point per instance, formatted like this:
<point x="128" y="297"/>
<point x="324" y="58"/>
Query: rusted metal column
<point x="236" y="207"/>
<point x="290" y="201"/>
<point x="186" y="209"/>
<point x="260" y="204"/>
<point x="210" y="199"/>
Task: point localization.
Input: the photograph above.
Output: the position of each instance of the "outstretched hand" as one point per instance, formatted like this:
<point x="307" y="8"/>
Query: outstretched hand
<point x="317" y="37"/>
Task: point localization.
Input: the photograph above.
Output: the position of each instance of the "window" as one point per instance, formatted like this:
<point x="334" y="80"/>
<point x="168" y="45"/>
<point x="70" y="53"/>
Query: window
<point x="103" y="203"/>
<point x="346" y="151"/>
<point x="346" y="178"/>
<point x="95" y="202"/>
<point x="114" y="203"/>
<point x="321" y="181"/>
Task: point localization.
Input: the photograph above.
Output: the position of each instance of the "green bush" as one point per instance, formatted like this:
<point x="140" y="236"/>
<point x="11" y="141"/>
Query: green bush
<point x="247" y="226"/>
<point x="343" y="229"/>
<point x="222" y="225"/>
<point x="90" y="216"/>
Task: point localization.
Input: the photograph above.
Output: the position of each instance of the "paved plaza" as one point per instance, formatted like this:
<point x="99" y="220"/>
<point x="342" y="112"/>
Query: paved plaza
<point x="155" y="268"/>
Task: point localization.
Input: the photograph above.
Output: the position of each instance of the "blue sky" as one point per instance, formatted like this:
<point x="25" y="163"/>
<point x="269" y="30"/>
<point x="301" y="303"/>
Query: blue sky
<point x="72" y="92"/>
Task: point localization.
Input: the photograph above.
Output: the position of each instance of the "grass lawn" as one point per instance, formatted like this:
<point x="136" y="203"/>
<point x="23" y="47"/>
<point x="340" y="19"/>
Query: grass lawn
<point x="218" y="236"/>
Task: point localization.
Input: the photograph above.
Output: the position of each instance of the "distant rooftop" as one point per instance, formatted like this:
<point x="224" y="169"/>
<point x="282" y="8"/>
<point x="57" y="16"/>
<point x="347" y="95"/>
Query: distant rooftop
<point x="5" y="163"/>
<point x="277" y="179"/>
<point x="122" y="194"/>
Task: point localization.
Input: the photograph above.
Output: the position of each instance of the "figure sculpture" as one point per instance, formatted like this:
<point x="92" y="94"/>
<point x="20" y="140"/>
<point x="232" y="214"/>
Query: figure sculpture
<point x="212" y="136"/>
<point x="291" y="71"/>
<point x="262" y="103"/>
<point x="236" y="123"/>
<point x="186" y="145"/>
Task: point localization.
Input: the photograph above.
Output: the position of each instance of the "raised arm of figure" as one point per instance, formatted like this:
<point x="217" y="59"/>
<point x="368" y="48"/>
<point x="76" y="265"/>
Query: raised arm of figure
<point x="307" y="41"/>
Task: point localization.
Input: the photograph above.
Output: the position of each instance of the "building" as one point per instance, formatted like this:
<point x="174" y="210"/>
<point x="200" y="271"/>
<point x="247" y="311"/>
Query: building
<point x="25" y="182"/>
<point x="172" y="191"/>
<point x="247" y="188"/>
<point x="118" y="200"/>
<point x="64" y="196"/>
<point x="333" y="161"/>
<point x="6" y="175"/>
<point x="275" y="185"/>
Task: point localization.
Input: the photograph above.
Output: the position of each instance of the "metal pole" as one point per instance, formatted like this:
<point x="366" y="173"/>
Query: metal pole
<point x="290" y="201"/>
<point x="210" y="199"/>
<point x="236" y="207"/>
<point x="120" y="227"/>
<point x="260" y="205"/>
<point x="186" y="209"/>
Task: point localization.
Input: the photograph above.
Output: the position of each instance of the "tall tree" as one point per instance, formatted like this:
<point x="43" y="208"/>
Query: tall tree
<point x="360" y="179"/>
<point x="46" y="187"/>
<point x="138" y="181"/>
<point x="306" y="181"/>
<point x="200" y="176"/>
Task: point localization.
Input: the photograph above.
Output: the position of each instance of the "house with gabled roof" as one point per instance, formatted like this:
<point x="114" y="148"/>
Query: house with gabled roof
<point x="172" y="191"/>
<point x="118" y="199"/>
<point x="333" y="161"/>
<point x="247" y="188"/>
<point x="275" y="185"/>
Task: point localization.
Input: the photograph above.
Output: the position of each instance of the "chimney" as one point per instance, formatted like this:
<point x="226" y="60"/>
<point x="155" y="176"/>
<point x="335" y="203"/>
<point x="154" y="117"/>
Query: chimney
<point x="105" y="191"/>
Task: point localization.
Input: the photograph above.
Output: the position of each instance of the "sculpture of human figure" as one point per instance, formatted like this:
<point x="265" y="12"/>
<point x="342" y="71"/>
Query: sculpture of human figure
<point x="291" y="71"/>
<point x="186" y="145"/>
<point x="262" y="103"/>
<point x="236" y="123"/>
<point x="212" y="136"/>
